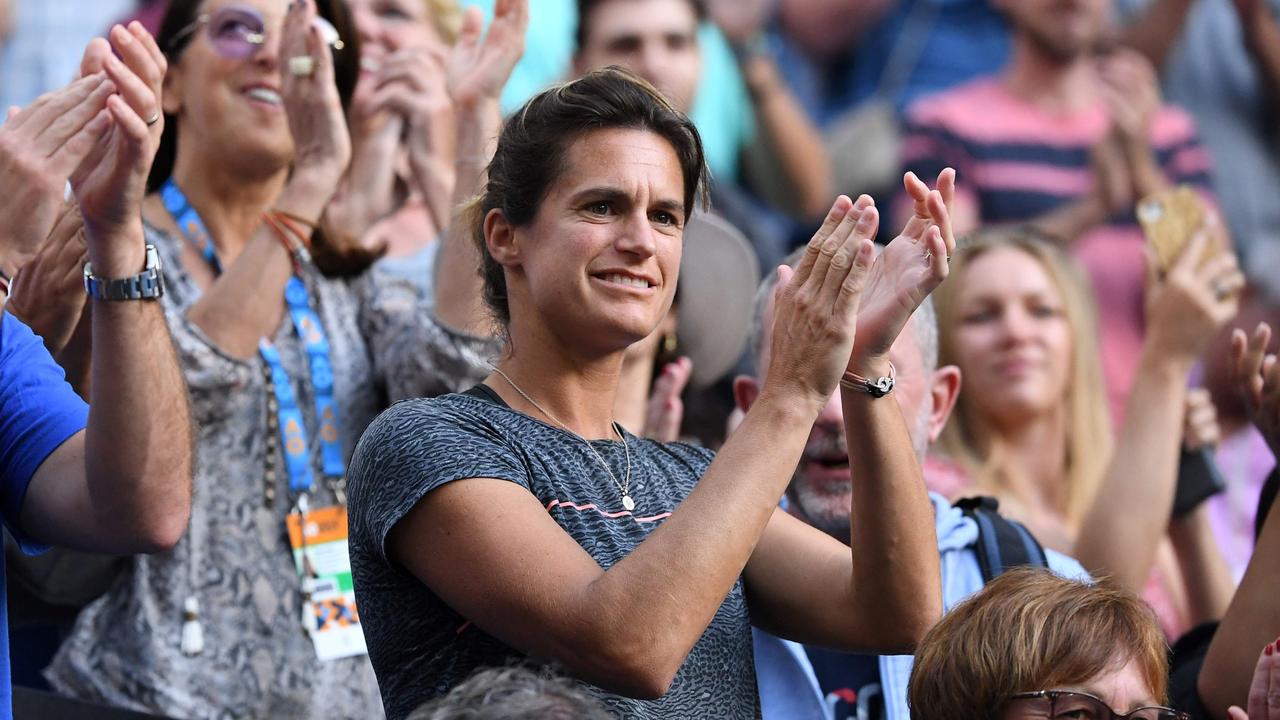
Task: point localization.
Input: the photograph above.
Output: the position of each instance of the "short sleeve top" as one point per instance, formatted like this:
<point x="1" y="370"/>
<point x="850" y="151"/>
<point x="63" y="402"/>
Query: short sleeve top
<point x="38" y="412"/>
<point x="419" y="646"/>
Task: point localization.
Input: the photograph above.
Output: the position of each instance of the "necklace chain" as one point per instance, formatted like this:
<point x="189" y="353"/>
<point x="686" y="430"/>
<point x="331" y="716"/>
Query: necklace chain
<point x="624" y="487"/>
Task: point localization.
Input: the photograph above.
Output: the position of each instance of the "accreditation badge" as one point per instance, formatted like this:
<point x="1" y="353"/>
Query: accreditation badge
<point x="319" y="540"/>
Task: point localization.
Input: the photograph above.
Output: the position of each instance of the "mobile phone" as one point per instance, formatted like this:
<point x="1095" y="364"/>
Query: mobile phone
<point x="1198" y="480"/>
<point x="1168" y="220"/>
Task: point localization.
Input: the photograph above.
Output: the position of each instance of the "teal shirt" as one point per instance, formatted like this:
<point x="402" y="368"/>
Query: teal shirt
<point x="721" y="110"/>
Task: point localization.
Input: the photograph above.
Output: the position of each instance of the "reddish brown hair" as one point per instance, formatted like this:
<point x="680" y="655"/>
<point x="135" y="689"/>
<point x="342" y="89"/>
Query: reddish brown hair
<point x="1030" y="630"/>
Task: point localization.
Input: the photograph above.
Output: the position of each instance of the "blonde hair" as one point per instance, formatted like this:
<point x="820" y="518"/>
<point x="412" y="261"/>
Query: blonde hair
<point x="446" y="16"/>
<point x="1030" y="630"/>
<point x="972" y="440"/>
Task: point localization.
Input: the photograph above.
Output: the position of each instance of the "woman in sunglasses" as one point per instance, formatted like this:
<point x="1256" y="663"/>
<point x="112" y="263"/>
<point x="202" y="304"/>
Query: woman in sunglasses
<point x="1034" y="645"/>
<point x="286" y="342"/>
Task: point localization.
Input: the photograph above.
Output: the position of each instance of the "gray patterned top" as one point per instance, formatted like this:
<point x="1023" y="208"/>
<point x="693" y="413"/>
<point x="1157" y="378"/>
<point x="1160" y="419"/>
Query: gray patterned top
<point x="257" y="661"/>
<point x="420" y="647"/>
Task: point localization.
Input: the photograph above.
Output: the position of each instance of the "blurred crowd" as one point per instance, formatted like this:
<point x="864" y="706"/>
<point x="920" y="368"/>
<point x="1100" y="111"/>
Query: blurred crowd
<point x="926" y="346"/>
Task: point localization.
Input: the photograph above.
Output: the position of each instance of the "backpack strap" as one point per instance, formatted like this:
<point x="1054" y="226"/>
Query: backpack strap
<point x="1002" y="543"/>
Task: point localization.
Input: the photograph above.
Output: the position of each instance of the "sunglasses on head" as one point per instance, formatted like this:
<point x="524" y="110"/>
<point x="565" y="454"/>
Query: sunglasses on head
<point x="237" y="31"/>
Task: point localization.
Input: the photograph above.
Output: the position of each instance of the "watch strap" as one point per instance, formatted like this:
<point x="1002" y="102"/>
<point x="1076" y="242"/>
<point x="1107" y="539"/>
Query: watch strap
<point x="146" y="285"/>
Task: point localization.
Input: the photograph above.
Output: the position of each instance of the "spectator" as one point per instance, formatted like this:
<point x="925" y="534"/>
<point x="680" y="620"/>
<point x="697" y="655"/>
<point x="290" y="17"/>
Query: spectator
<point x="116" y="479"/>
<point x="1221" y="61"/>
<point x="1253" y="619"/>
<point x="658" y="39"/>
<point x="513" y="693"/>
<point x="581" y="225"/>
<point x="1242" y="455"/>
<point x="1032" y="644"/>
<point x="399" y="192"/>
<point x="1031" y="426"/>
<point x="839" y="53"/>
<point x="280" y="360"/>
<point x="820" y="494"/>
<point x="856" y="64"/>
<point x="1067" y="140"/>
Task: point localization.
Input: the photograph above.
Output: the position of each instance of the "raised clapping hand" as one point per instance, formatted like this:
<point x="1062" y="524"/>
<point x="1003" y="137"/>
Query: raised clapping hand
<point x="665" y="410"/>
<point x="48" y="295"/>
<point x="112" y="181"/>
<point x="1193" y="300"/>
<point x="1265" y="689"/>
<point x="1256" y="376"/>
<point x="411" y="85"/>
<point x="40" y="147"/>
<point x="322" y="144"/>
<point x="816" y="306"/>
<point x="477" y="71"/>
<point x="910" y="267"/>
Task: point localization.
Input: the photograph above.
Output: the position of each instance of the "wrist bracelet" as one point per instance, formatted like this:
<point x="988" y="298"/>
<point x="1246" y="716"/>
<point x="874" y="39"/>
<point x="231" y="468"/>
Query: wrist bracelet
<point x="876" y="388"/>
<point x="282" y="233"/>
<point x="297" y="219"/>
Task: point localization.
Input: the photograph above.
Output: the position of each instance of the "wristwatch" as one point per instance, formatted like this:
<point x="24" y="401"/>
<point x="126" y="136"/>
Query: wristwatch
<point x="146" y="285"/>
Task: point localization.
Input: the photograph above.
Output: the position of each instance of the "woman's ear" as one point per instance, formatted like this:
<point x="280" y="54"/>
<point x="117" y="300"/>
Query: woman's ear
<point x="500" y="239"/>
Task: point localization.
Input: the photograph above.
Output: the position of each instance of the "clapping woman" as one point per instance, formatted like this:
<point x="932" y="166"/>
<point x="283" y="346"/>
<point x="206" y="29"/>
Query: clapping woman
<point x="518" y="519"/>
<point x="286" y="361"/>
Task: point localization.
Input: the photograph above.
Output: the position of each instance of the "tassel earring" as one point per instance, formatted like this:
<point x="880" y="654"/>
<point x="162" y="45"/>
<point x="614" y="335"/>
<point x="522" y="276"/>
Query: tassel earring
<point x="192" y="632"/>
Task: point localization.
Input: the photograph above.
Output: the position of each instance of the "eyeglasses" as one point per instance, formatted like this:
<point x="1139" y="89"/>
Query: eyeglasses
<point x="1068" y="705"/>
<point x="236" y="32"/>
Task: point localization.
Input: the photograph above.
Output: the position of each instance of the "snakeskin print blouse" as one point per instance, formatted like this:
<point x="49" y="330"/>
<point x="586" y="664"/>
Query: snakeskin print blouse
<point x="235" y="557"/>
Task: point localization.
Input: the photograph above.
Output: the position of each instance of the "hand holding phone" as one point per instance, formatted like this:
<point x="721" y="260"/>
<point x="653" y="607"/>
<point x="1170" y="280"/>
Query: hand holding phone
<point x="1168" y="220"/>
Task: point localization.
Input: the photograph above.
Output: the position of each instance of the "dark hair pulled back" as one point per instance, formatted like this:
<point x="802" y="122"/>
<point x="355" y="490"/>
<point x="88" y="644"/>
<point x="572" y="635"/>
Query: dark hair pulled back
<point x="334" y="256"/>
<point x="534" y="146"/>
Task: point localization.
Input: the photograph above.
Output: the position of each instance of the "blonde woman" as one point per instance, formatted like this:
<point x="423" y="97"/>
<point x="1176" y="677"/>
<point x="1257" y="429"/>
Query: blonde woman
<point x="1031" y="424"/>
<point x="409" y="106"/>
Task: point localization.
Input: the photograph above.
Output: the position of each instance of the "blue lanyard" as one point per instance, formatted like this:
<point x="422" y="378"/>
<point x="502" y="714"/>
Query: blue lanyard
<point x="306" y="322"/>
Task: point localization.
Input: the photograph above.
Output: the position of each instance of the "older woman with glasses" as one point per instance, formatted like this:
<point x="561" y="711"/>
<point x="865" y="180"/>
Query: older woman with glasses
<point x="1034" y="645"/>
<point x="285" y="339"/>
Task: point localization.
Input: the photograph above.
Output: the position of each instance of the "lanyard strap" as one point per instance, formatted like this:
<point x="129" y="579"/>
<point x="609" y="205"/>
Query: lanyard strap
<point x="189" y="222"/>
<point x="310" y="330"/>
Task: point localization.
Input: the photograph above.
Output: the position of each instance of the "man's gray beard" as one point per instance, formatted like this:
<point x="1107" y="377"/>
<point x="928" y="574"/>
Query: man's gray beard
<point x="812" y="511"/>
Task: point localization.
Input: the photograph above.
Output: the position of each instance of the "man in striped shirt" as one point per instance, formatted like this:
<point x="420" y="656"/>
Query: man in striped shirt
<point x="1066" y="137"/>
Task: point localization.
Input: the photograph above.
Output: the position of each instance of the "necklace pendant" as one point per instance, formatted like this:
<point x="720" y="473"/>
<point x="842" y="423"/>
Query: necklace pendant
<point x="628" y="503"/>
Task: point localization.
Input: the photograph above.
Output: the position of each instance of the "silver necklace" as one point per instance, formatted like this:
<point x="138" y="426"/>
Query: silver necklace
<point x="624" y="487"/>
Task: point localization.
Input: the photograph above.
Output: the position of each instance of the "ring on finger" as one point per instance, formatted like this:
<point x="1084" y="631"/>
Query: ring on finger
<point x="1220" y="290"/>
<point x="153" y="119"/>
<point x="302" y="65"/>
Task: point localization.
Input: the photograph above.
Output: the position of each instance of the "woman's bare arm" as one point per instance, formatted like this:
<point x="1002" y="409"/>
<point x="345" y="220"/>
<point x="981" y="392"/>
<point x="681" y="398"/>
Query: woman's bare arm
<point x="1114" y="538"/>
<point x="628" y="629"/>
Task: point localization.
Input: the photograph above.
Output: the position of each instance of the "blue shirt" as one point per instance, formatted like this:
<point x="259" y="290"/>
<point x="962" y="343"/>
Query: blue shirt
<point x="38" y="412"/>
<point x="791" y="688"/>
<point x="953" y="41"/>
